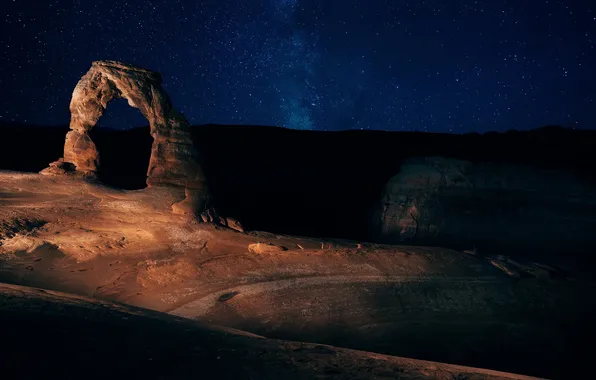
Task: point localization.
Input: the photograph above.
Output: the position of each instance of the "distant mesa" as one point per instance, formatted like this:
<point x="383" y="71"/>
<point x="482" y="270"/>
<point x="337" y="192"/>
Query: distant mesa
<point x="173" y="159"/>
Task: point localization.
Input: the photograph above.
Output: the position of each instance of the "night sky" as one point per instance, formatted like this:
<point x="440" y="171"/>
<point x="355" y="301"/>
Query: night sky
<point x="434" y="65"/>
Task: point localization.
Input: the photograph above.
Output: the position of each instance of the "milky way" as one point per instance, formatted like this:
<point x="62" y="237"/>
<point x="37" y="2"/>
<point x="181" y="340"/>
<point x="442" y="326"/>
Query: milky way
<point x="429" y="65"/>
<point x="294" y="67"/>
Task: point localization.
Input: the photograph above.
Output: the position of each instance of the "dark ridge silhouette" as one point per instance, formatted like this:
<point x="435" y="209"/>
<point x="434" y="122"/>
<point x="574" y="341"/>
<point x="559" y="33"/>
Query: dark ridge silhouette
<point x="310" y="183"/>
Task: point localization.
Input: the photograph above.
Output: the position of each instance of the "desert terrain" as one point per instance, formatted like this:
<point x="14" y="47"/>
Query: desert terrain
<point x="431" y="303"/>
<point x="176" y="251"/>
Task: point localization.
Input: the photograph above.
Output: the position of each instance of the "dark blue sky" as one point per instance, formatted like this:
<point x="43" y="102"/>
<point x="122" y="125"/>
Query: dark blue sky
<point x="433" y="65"/>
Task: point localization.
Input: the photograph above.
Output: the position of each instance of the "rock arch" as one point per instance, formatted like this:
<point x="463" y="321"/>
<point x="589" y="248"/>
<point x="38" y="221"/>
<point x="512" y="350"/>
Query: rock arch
<point x="173" y="159"/>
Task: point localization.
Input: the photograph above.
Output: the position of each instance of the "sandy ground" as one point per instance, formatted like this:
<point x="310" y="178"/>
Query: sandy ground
<point x="422" y="302"/>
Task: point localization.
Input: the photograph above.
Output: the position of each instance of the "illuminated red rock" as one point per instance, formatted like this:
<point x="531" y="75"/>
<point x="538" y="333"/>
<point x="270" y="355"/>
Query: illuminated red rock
<point x="173" y="157"/>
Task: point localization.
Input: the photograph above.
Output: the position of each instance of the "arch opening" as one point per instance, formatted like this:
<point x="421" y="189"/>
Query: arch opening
<point x="123" y="139"/>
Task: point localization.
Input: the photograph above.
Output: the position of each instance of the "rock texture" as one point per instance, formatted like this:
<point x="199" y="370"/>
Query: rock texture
<point x="493" y="206"/>
<point x="173" y="157"/>
<point x="265" y="248"/>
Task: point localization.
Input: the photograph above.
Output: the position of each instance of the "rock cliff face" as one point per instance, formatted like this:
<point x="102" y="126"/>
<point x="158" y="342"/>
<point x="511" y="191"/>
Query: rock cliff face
<point x="173" y="157"/>
<point x="435" y="200"/>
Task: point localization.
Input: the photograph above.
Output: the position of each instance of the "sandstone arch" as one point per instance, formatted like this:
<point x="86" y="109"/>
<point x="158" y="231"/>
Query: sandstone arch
<point x="173" y="159"/>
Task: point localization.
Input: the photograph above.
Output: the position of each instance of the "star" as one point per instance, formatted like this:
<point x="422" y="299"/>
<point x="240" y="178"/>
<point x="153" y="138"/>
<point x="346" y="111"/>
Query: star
<point x="475" y="66"/>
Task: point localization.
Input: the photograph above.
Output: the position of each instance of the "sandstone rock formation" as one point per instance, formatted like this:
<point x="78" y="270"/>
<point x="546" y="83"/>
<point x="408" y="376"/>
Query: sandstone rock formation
<point x="173" y="158"/>
<point x="435" y="200"/>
